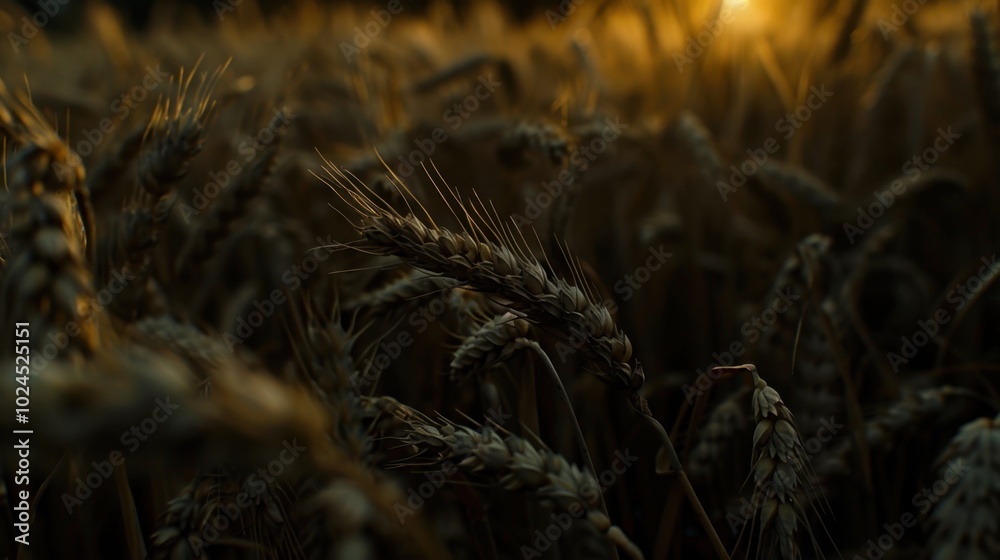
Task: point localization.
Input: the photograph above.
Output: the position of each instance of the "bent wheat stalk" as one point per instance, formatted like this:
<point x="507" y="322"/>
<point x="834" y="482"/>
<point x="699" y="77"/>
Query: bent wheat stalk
<point x="512" y="462"/>
<point x="489" y="261"/>
<point x="487" y="257"/>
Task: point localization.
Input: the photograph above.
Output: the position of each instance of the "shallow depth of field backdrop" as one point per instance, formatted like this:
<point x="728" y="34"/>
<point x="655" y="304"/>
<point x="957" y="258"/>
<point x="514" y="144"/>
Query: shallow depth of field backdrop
<point x="591" y="279"/>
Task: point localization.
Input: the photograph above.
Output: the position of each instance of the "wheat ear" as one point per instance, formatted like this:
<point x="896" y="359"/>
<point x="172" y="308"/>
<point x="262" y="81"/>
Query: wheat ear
<point x="489" y="345"/>
<point x="398" y="293"/>
<point x="781" y="472"/>
<point x="886" y="430"/>
<point x="47" y="281"/>
<point x="485" y="262"/>
<point x="496" y="340"/>
<point x="726" y="420"/>
<point x="511" y="462"/>
<point x="176" y="133"/>
<point x="966" y="522"/>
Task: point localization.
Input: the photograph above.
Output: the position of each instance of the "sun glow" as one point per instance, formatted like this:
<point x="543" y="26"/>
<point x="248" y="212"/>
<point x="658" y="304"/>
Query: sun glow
<point x="745" y="16"/>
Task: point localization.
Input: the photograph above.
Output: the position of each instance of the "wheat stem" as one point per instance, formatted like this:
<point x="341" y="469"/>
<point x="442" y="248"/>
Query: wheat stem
<point x="677" y="469"/>
<point x="581" y="441"/>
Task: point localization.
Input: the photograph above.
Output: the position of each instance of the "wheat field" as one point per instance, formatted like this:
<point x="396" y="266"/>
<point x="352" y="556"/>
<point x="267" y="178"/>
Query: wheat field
<point x="639" y="279"/>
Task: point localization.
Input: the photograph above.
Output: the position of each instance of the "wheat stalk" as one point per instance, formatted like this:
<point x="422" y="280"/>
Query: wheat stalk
<point x="966" y="522"/>
<point x="497" y="264"/>
<point x="175" y="134"/>
<point x="781" y="471"/>
<point x="190" y="527"/>
<point x="779" y="459"/>
<point x="885" y="431"/>
<point x="47" y="281"/>
<point x="325" y="359"/>
<point x="511" y="462"/>
<point x="493" y="262"/>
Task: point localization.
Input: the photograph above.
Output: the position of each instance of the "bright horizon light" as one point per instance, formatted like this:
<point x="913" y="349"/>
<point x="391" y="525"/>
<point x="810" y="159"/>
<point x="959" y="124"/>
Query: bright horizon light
<point x="735" y="4"/>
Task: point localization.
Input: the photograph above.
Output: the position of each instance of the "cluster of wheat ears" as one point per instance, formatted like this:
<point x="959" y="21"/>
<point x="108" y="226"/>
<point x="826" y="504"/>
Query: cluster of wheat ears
<point x="641" y="279"/>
